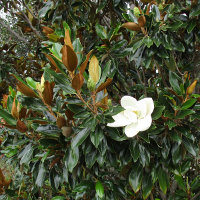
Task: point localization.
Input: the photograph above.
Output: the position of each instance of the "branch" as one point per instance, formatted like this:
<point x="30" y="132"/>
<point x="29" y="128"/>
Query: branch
<point x="197" y="195"/>
<point x="13" y="32"/>
<point x="27" y="20"/>
<point x="29" y="9"/>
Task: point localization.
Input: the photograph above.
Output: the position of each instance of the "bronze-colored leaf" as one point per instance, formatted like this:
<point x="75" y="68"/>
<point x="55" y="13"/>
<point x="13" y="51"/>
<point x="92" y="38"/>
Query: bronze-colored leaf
<point x="47" y="93"/>
<point x="104" y="85"/>
<point x="67" y="39"/>
<point x="47" y="30"/>
<point x="53" y="62"/>
<point x="94" y="69"/>
<point x="22" y="113"/>
<point x="5" y="99"/>
<point x="69" y="114"/>
<point x="69" y="58"/>
<point x="14" y="112"/>
<point x="146" y="1"/>
<point x="142" y="21"/>
<point x="60" y="122"/>
<point x="131" y="26"/>
<point x="84" y="64"/>
<point x="77" y="81"/>
<point x="21" y="126"/>
<point x="25" y="90"/>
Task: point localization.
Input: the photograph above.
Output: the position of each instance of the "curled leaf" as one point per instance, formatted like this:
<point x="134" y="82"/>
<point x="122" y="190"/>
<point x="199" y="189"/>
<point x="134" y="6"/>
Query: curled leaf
<point x="14" y="112"/>
<point x="47" y="30"/>
<point x="25" y="90"/>
<point x="53" y="62"/>
<point x="67" y="38"/>
<point x="131" y="26"/>
<point x="191" y="88"/>
<point x="84" y="64"/>
<point x="60" y="122"/>
<point x="104" y="85"/>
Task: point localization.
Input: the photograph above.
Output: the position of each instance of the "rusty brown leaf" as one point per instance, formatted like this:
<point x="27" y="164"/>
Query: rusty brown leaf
<point x="84" y="64"/>
<point x="142" y="21"/>
<point x="21" y="126"/>
<point x="77" y="81"/>
<point x="104" y="85"/>
<point x="69" y="58"/>
<point x="25" y="90"/>
<point x="69" y="115"/>
<point x="53" y="62"/>
<point x="60" y="122"/>
<point x="47" y="93"/>
<point x="14" y="112"/>
<point x="46" y="30"/>
<point x="5" y="99"/>
<point x="22" y="113"/>
<point x="67" y="39"/>
<point x="131" y="26"/>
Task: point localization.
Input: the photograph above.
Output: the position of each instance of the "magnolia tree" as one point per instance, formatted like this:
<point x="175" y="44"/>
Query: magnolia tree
<point x="115" y="114"/>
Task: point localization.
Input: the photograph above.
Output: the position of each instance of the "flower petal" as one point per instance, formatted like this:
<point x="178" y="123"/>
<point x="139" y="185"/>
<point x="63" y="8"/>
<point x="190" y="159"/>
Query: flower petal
<point x="128" y="101"/>
<point x="120" y="120"/>
<point x="131" y="116"/>
<point x="142" y="108"/>
<point x="145" y="123"/>
<point x="150" y="105"/>
<point x="131" y="130"/>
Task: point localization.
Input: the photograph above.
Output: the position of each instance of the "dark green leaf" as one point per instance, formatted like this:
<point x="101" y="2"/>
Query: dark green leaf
<point x="72" y="158"/>
<point x="157" y="113"/>
<point x="188" y="104"/>
<point x="96" y="137"/>
<point x="195" y="11"/>
<point x="58" y="198"/>
<point x="7" y="117"/>
<point x="134" y="149"/>
<point x="183" y="113"/>
<point x="80" y="137"/>
<point x="163" y="180"/>
<point x="90" y="158"/>
<point x="190" y="146"/>
<point x="101" y="32"/>
<point x="135" y="178"/>
<point x="174" y="82"/>
<point x="147" y="186"/>
<point x="180" y="182"/>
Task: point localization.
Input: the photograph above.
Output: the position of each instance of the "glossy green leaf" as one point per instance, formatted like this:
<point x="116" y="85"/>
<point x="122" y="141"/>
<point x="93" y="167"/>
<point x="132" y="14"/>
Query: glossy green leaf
<point x="190" y="146"/>
<point x="96" y="137"/>
<point x="99" y="189"/>
<point x="147" y="186"/>
<point x="135" y="177"/>
<point x="157" y="113"/>
<point x="72" y="159"/>
<point x="7" y="117"/>
<point x="80" y="137"/>
<point x="58" y="198"/>
<point x="163" y="180"/>
<point x="183" y="113"/>
<point x="176" y="153"/>
<point x="31" y="82"/>
<point x="101" y="32"/>
<point x="188" y="104"/>
<point x="195" y="11"/>
<point x="27" y="155"/>
<point x="173" y="79"/>
<point x="90" y="158"/>
<point x="41" y="176"/>
<point x="180" y="182"/>
<point x="134" y="149"/>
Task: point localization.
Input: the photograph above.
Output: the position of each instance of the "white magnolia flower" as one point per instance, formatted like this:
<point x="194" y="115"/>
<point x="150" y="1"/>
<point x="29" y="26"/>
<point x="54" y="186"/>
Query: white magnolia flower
<point x="136" y="116"/>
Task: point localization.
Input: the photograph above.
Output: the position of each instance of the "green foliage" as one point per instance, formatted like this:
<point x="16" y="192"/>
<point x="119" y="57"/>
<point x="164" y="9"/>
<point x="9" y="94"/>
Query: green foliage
<point x="54" y="126"/>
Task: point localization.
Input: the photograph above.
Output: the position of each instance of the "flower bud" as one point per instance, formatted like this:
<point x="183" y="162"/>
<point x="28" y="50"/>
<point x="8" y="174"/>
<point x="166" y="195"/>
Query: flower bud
<point x="91" y="84"/>
<point x="160" y="7"/>
<point x="191" y="88"/>
<point x="136" y="11"/>
<point x="66" y="131"/>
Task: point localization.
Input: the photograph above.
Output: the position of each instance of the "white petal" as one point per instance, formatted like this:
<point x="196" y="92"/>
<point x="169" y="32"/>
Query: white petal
<point x="131" y="116"/>
<point x="120" y="120"/>
<point x="150" y="105"/>
<point x="128" y="101"/>
<point x="131" y="130"/>
<point x="145" y="123"/>
<point x="142" y="108"/>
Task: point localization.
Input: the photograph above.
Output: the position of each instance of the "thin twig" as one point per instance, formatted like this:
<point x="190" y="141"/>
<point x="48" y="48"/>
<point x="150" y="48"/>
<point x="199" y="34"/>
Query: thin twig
<point x="27" y="20"/>
<point x="28" y="9"/>
<point x="13" y="32"/>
